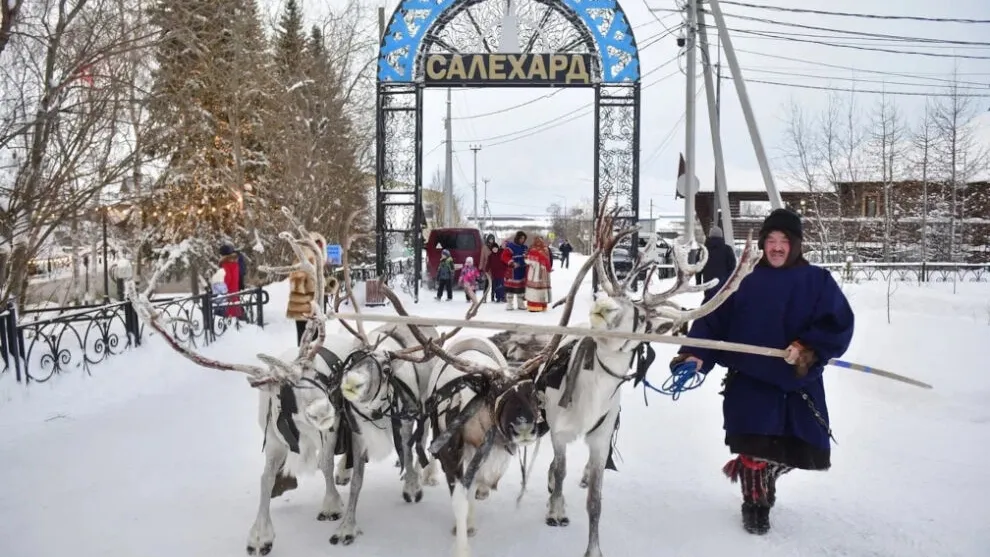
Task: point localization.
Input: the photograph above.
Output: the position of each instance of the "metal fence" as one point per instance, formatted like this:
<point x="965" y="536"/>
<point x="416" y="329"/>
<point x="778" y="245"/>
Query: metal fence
<point x="38" y="344"/>
<point x="910" y="272"/>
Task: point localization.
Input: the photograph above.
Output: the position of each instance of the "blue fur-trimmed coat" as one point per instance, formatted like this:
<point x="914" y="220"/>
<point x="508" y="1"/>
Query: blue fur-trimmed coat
<point x="774" y="307"/>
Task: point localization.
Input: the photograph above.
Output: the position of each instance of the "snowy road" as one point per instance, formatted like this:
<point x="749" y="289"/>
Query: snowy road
<point x="153" y="457"/>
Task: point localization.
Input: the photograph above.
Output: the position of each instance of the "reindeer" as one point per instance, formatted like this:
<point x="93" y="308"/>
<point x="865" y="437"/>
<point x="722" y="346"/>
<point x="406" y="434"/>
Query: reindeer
<point x="581" y="381"/>
<point x="480" y="413"/>
<point x="301" y="403"/>
<point x="299" y="398"/>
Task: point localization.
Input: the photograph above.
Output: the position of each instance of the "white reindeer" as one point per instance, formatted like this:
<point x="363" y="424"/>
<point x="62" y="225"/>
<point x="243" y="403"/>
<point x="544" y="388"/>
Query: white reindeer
<point x="384" y="388"/>
<point x="581" y="381"/>
<point x="481" y="414"/>
<point x="300" y="401"/>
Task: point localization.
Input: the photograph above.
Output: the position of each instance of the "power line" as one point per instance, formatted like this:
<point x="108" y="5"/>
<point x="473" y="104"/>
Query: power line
<point x="859" y="79"/>
<point x="566" y="114"/>
<point x="857" y="33"/>
<point x="864" y="48"/>
<point x="861" y="70"/>
<point x="868" y="91"/>
<point x="656" y="38"/>
<point x="858" y="15"/>
<point x="584" y="111"/>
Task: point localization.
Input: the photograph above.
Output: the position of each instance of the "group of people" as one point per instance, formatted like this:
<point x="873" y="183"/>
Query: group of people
<point x="520" y="274"/>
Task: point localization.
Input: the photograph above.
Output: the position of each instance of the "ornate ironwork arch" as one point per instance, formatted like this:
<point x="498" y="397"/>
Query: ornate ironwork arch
<point x="419" y="28"/>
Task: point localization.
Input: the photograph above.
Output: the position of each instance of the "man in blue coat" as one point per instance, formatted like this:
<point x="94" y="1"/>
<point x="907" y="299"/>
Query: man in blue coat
<point x="774" y="411"/>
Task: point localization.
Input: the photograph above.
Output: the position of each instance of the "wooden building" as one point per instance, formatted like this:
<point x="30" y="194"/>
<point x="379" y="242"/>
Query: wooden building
<point x="874" y="220"/>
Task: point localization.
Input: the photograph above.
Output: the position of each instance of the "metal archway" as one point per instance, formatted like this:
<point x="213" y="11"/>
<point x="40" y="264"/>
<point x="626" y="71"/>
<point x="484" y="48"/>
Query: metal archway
<point x="550" y="30"/>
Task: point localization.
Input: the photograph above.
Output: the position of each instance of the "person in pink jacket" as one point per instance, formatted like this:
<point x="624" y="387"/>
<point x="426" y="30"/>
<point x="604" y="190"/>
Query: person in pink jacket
<point x="469" y="277"/>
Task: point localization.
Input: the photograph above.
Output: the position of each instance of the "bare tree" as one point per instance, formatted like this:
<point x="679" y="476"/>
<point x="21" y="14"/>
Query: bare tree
<point x="925" y="146"/>
<point x="8" y="15"/>
<point x="887" y="142"/>
<point x="60" y="109"/>
<point x="960" y="157"/>
<point x="804" y="160"/>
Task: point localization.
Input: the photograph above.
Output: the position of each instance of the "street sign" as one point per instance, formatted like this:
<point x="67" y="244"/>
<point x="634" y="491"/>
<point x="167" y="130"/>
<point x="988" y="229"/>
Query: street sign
<point x="334" y="254"/>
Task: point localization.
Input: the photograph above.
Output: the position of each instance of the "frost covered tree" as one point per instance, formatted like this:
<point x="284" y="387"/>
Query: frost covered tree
<point x="316" y="151"/>
<point x="209" y="103"/>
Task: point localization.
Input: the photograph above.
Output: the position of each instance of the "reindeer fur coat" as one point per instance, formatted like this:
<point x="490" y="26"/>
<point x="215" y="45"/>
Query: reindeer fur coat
<point x="302" y="287"/>
<point x="764" y="407"/>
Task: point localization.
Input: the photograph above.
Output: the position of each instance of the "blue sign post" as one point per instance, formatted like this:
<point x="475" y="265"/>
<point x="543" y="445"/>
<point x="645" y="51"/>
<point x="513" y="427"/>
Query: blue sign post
<point x="334" y="254"/>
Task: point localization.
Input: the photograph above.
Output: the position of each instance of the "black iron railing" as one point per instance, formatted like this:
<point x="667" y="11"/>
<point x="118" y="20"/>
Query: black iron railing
<point x="39" y="344"/>
<point x="911" y="272"/>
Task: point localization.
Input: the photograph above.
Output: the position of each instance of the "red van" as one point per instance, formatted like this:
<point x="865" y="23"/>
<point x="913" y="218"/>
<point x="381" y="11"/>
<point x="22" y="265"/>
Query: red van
<point x="462" y="243"/>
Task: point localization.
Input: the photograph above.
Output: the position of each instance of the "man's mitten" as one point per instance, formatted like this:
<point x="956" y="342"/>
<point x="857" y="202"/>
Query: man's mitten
<point x="801" y="357"/>
<point x="679" y="359"/>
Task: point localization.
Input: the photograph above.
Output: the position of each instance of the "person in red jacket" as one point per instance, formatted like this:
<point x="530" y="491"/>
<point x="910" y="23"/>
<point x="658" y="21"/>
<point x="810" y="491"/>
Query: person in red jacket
<point x="232" y="278"/>
<point x="496" y="268"/>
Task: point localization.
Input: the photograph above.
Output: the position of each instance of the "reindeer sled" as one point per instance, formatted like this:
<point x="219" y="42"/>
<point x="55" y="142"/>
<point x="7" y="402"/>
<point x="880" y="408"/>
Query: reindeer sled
<point x="482" y="400"/>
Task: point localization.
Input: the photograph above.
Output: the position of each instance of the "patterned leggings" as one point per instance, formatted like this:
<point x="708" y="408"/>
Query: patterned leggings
<point x="757" y="477"/>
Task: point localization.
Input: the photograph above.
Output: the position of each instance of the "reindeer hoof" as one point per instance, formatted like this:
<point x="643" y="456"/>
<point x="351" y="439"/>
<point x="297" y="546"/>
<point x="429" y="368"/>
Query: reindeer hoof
<point x="584" y="483"/>
<point x="265" y="549"/>
<point x="482" y="493"/>
<point x="346" y="539"/>
<point x="409" y="498"/>
<point x="471" y="531"/>
<point x="555" y="521"/>
<point x="328" y="516"/>
<point x="342" y="480"/>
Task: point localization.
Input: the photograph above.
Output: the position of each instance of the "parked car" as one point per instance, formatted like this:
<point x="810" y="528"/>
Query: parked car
<point x="462" y="243"/>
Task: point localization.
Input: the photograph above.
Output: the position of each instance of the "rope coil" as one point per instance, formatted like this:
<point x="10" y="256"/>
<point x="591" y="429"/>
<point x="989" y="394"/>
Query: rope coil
<point x="683" y="377"/>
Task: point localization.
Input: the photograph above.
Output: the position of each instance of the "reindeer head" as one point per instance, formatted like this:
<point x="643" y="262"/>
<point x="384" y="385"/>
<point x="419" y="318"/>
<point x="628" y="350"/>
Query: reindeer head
<point x="616" y="314"/>
<point x="365" y="377"/>
<point x="616" y="310"/>
<point x="517" y="413"/>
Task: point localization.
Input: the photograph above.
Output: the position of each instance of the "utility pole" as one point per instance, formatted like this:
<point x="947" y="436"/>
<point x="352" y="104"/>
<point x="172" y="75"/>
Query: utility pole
<point x="488" y="211"/>
<point x="476" y="148"/>
<point x="689" y="121"/>
<point x="448" y="184"/>
<point x="721" y="184"/>
<point x="739" y="82"/>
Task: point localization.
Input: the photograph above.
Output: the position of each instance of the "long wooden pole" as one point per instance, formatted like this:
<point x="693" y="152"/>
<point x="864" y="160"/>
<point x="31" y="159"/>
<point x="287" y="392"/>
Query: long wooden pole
<point x="578" y="331"/>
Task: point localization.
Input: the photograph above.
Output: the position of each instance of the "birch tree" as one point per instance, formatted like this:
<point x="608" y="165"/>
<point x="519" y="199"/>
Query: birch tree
<point x="960" y="159"/>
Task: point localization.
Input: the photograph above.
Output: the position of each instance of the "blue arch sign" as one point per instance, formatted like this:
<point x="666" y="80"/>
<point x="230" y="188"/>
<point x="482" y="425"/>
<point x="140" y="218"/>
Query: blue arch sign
<point x="603" y="20"/>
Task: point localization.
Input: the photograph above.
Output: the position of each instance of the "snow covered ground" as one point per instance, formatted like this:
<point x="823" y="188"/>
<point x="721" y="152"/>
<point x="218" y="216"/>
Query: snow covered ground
<point x="151" y="456"/>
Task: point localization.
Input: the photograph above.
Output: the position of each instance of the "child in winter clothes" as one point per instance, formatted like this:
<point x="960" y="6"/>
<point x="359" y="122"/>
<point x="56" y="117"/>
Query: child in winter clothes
<point x="469" y="277"/>
<point x="445" y="275"/>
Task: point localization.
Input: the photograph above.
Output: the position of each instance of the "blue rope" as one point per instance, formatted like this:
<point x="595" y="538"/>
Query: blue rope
<point x="684" y="377"/>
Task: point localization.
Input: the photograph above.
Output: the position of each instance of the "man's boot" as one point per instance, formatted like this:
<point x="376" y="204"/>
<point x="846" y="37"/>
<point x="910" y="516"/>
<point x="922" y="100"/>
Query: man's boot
<point x="755" y="478"/>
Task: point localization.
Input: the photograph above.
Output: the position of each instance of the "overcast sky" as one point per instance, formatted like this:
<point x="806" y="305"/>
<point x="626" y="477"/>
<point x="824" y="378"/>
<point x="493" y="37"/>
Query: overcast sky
<point x="529" y="171"/>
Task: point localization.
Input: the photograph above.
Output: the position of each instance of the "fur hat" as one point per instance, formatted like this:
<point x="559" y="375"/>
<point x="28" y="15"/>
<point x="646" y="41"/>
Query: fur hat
<point x="715" y="232"/>
<point x="782" y="220"/>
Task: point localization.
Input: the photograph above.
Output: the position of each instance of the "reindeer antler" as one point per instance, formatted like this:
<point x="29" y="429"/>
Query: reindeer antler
<point x="434" y="346"/>
<point x="277" y="370"/>
<point x="659" y="305"/>
<point x="349" y="238"/>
